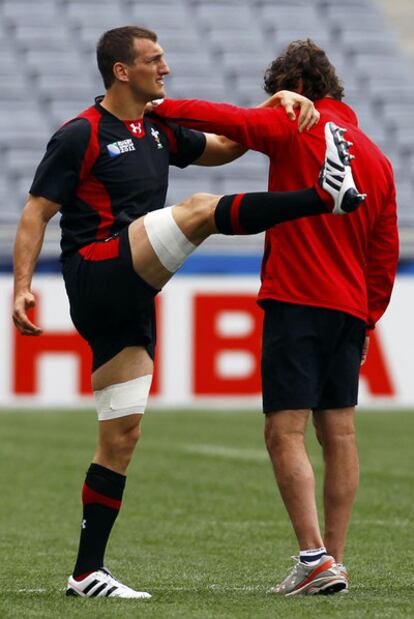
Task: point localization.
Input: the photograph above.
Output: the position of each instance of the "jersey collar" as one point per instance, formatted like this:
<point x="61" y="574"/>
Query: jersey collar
<point x="135" y="127"/>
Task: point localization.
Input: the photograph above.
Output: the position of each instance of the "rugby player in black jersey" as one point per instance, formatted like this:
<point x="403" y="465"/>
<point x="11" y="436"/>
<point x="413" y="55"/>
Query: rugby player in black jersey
<point x="106" y="171"/>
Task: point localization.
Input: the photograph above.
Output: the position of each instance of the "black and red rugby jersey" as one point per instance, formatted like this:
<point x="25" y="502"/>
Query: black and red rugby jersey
<point x="106" y="172"/>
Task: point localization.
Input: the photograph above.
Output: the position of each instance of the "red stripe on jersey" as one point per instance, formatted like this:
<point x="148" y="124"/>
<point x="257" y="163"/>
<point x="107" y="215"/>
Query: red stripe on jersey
<point x="92" y="152"/>
<point x="91" y="496"/>
<point x="168" y="132"/>
<point x="234" y="215"/>
<point x="96" y="252"/>
<point x="94" y="193"/>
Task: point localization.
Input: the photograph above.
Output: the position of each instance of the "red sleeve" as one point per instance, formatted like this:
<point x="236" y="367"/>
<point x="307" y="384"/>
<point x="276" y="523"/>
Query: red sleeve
<point x="259" y="129"/>
<point x="382" y="261"/>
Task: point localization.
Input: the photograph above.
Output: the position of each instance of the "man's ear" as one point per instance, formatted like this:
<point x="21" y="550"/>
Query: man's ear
<point x="120" y="72"/>
<point x="299" y="87"/>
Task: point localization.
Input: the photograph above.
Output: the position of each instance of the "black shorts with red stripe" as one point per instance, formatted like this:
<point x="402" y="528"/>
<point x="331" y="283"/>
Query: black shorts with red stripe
<point x="110" y="305"/>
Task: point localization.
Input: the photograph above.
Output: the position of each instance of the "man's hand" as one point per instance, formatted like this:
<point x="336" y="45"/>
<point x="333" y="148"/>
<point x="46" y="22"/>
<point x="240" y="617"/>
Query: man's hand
<point x="151" y="105"/>
<point x="309" y="115"/>
<point x="365" y="349"/>
<point x="22" y="303"/>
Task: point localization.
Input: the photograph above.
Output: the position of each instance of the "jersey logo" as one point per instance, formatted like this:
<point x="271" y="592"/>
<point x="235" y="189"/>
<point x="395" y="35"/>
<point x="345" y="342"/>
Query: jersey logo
<point x="136" y="128"/>
<point x="156" y="135"/>
<point x="117" y="148"/>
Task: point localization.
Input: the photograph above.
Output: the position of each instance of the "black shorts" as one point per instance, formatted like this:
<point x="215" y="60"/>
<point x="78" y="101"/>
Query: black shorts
<point x="110" y="305"/>
<point x="310" y="358"/>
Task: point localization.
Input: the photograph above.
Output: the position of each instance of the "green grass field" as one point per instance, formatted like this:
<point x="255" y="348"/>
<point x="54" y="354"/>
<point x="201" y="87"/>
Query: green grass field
<point x="202" y="527"/>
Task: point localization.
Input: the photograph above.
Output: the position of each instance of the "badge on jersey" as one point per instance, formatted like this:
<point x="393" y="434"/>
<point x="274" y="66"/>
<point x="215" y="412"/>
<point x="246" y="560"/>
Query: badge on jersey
<point x="117" y="148"/>
<point x="156" y="135"/>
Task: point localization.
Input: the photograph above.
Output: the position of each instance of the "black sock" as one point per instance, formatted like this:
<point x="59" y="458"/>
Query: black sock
<point x="251" y="213"/>
<point x="101" y="498"/>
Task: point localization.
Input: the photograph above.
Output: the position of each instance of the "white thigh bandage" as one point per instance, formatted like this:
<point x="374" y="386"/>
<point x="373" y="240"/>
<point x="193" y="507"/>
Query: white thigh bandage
<point x="168" y="241"/>
<point x="123" y="399"/>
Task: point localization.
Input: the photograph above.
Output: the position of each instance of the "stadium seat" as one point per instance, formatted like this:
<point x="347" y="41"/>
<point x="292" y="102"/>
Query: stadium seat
<point x="178" y="40"/>
<point x="198" y="88"/>
<point x="279" y="20"/>
<point x="236" y="184"/>
<point x="366" y="16"/>
<point x="175" y="15"/>
<point x="405" y="138"/>
<point x="11" y="212"/>
<point x="84" y="12"/>
<point x="180" y="187"/>
<point x="378" y="64"/>
<point x="393" y="92"/>
<point x="282" y="38"/>
<point x="188" y="64"/>
<point x="22" y="161"/>
<point x="53" y="37"/>
<point x="243" y="64"/>
<point x="22" y="123"/>
<point x="41" y="62"/>
<point x="398" y="114"/>
<point x="252" y="165"/>
<point x="64" y="110"/>
<point x="61" y="87"/>
<point x="216" y="17"/>
<point x="30" y="14"/>
<point x="405" y="202"/>
<point x="235" y="41"/>
<point x="367" y="41"/>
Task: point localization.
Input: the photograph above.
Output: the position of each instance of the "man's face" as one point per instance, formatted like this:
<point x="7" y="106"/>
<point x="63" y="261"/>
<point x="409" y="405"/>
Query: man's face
<point x="146" y="74"/>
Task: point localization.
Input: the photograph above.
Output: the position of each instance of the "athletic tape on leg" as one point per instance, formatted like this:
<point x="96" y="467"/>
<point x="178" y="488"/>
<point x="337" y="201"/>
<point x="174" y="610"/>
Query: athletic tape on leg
<point x="123" y="399"/>
<point x="167" y="239"/>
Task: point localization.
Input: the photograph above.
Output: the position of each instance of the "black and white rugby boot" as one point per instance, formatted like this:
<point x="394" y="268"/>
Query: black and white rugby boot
<point x="336" y="173"/>
<point x="101" y="584"/>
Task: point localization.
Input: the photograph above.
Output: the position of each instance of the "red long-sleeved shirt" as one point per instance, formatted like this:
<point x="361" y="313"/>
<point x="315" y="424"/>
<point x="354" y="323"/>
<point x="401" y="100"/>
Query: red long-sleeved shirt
<point x="344" y="263"/>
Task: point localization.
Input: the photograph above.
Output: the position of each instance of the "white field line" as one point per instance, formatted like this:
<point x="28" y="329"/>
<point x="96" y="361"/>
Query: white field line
<point x="211" y="587"/>
<point x="384" y="522"/>
<point x="222" y="451"/>
<point x="25" y="591"/>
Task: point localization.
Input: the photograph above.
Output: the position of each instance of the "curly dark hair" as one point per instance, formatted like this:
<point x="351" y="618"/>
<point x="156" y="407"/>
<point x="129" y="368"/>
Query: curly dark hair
<point x="305" y="63"/>
<point x="116" y="45"/>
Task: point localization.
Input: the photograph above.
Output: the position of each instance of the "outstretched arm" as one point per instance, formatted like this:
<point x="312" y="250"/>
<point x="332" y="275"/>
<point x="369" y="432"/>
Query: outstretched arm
<point x="29" y="240"/>
<point x="221" y="149"/>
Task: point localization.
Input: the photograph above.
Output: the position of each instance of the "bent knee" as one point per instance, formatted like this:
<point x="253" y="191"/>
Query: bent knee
<point x="201" y="205"/>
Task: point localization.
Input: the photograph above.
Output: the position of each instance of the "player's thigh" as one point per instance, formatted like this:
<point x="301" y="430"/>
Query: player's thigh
<point x="121" y="389"/>
<point x="129" y="364"/>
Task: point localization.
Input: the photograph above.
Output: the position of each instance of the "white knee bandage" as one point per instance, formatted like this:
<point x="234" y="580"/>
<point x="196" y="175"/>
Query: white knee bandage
<point x="123" y="399"/>
<point x="168" y="241"/>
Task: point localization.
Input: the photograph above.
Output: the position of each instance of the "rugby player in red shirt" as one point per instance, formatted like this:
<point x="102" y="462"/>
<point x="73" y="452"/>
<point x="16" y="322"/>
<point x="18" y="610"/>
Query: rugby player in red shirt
<point x="325" y="283"/>
<point x="107" y="172"/>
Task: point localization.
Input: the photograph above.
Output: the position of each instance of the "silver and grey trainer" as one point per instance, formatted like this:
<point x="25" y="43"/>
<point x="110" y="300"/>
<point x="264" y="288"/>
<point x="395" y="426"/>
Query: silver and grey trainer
<point x="324" y="578"/>
<point x="344" y="572"/>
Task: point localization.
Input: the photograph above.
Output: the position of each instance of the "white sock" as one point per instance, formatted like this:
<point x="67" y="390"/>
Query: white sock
<point x="311" y="556"/>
